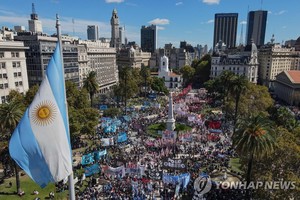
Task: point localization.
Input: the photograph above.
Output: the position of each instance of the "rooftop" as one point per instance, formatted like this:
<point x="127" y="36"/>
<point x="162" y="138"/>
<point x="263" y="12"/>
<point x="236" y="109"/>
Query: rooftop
<point x="294" y="75"/>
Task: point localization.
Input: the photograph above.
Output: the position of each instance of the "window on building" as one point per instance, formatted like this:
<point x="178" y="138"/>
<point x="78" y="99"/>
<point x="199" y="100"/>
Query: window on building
<point x="4" y="75"/>
<point x="3" y="65"/>
<point x="15" y="74"/>
<point x="1" y="54"/>
<point x="1" y="86"/>
<point x="3" y="99"/>
<point x="20" y="83"/>
<point x="0" y="75"/>
<point x="16" y="84"/>
<point x="15" y="54"/>
<point x="19" y="74"/>
<point x="6" y="85"/>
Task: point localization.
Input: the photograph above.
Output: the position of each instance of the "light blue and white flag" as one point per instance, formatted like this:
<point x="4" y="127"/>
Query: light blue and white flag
<point x="40" y="144"/>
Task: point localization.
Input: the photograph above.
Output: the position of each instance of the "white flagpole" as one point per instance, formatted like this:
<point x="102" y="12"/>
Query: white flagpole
<point x="70" y="177"/>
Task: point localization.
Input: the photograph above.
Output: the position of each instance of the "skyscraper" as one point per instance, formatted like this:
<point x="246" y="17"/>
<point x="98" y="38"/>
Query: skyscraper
<point x="225" y="28"/>
<point x="256" y="27"/>
<point x="92" y="32"/>
<point x="115" y="32"/>
<point x="149" y="38"/>
<point x="35" y="25"/>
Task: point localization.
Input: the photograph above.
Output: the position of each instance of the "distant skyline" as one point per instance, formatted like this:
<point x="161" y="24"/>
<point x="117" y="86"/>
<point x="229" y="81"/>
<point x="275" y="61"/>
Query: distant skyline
<point x="177" y="20"/>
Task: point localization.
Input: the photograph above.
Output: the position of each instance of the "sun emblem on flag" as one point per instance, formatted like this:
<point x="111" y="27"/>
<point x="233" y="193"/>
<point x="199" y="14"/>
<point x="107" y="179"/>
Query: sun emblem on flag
<point x="44" y="113"/>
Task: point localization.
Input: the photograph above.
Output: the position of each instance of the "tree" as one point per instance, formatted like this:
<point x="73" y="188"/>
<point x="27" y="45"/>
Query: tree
<point x="237" y="88"/>
<point x="202" y="70"/>
<point x="255" y="138"/>
<point x="188" y="73"/>
<point x="30" y="95"/>
<point x="282" y="165"/>
<point x="158" y="85"/>
<point x="256" y="99"/>
<point x="282" y="116"/>
<point x="10" y="115"/>
<point x="146" y="76"/>
<point x="15" y="95"/>
<point x="91" y="85"/>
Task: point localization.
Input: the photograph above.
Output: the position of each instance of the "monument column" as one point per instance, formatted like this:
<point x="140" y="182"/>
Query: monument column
<point x="170" y="120"/>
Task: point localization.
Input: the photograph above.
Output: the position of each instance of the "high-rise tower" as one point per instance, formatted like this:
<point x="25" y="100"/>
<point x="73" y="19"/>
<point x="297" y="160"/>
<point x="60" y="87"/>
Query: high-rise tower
<point x="93" y="32"/>
<point x="35" y="25"/>
<point x="115" y="31"/>
<point x="226" y="28"/>
<point x="256" y="27"/>
<point x="149" y="38"/>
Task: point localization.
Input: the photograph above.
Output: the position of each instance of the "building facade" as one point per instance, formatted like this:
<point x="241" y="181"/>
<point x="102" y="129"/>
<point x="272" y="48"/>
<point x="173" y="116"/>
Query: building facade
<point x="102" y="60"/>
<point x="241" y="63"/>
<point x="225" y="29"/>
<point x="149" y="38"/>
<point x="38" y="55"/>
<point x="83" y="63"/>
<point x="13" y="69"/>
<point x="115" y="31"/>
<point x="172" y="80"/>
<point x="93" y="32"/>
<point x="133" y="57"/>
<point x="178" y="57"/>
<point x="273" y="59"/>
<point x="287" y="87"/>
<point x="256" y="27"/>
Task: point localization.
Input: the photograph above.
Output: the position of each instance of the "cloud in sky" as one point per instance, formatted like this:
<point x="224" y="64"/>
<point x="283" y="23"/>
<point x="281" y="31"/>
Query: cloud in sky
<point x="131" y="4"/>
<point x="243" y="22"/>
<point x="211" y="2"/>
<point x="114" y="1"/>
<point x="281" y="12"/>
<point x="160" y="28"/>
<point x="159" y="21"/>
<point x="210" y="21"/>
<point x="178" y="3"/>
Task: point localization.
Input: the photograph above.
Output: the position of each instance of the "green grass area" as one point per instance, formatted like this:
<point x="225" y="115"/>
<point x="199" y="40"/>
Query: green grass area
<point x="153" y="128"/>
<point x="27" y="185"/>
<point x="235" y="165"/>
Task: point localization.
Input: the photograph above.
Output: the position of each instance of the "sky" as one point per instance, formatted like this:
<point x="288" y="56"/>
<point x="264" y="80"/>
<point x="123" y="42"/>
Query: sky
<point x="178" y="20"/>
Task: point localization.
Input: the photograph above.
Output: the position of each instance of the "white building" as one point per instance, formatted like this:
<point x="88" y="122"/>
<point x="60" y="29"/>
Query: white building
<point x="274" y="59"/>
<point x="100" y="58"/>
<point x="241" y="63"/>
<point x="13" y="69"/>
<point x="172" y="80"/>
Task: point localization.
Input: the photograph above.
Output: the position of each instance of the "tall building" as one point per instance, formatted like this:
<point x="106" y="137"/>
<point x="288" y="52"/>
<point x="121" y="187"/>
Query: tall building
<point x="274" y="59"/>
<point x="226" y="28"/>
<point x="102" y="60"/>
<point x="149" y="38"/>
<point x="115" y="31"/>
<point x="256" y="27"/>
<point x="13" y="69"/>
<point x="93" y="32"/>
<point x="121" y="35"/>
<point x="35" y="25"/>
<point x="38" y="55"/>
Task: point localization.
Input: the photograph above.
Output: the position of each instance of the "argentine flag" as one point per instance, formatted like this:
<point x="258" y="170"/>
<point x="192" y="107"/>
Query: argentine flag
<point x="40" y="144"/>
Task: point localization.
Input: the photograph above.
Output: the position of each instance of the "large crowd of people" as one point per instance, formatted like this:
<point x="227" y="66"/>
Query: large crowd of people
<point x="143" y="167"/>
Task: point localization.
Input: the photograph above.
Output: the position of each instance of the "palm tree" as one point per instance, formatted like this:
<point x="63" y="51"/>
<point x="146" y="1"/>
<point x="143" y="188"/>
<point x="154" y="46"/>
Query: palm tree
<point x="10" y="115"/>
<point x="91" y="85"/>
<point x="237" y="88"/>
<point x="254" y="138"/>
